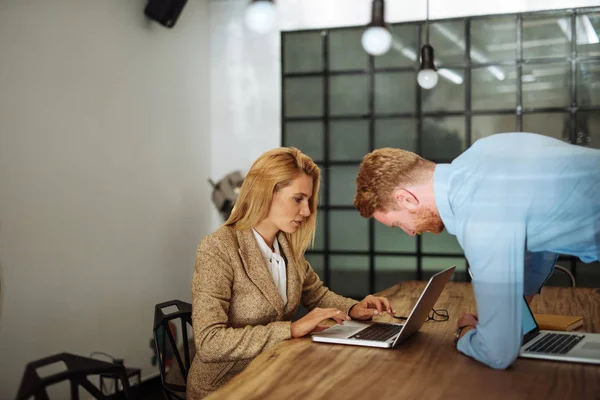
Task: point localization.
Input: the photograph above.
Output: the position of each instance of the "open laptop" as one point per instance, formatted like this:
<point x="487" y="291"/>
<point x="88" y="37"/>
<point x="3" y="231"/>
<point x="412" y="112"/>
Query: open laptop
<point x="557" y="345"/>
<point x="377" y="334"/>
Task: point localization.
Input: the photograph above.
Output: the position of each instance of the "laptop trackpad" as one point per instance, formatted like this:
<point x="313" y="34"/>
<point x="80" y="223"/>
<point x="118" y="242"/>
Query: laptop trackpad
<point x="343" y="331"/>
<point x="591" y="346"/>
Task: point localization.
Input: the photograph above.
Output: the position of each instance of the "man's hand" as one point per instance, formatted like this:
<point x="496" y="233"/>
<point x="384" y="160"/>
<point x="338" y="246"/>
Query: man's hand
<point x="467" y="322"/>
<point x="370" y="306"/>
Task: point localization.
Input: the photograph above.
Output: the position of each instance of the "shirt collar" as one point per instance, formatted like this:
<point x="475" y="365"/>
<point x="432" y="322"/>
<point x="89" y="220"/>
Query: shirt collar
<point x="266" y="251"/>
<point x="441" y="189"/>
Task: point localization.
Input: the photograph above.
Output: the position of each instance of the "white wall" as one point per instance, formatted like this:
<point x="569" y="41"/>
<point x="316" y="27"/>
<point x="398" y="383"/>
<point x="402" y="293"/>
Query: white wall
<point x="104" y="156"/>
<point x="246" y="89"/>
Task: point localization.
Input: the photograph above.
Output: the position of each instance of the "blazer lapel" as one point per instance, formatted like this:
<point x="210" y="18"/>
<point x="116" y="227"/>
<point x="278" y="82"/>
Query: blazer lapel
<point x="294" y="286"/>
<point x="256" y="268"/>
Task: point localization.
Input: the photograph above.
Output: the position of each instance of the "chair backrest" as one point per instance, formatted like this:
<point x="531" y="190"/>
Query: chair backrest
<point x="77" y="372"/>
<point x="566" y="271"/>
<point x="173" y="376"/>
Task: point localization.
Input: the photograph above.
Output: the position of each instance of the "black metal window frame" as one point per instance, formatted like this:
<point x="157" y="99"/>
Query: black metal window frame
<point x="573" y="59"/>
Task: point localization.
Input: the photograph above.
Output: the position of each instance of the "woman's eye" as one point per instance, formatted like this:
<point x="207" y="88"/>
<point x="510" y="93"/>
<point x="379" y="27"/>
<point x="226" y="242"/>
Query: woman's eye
<point x="298" y="200"/>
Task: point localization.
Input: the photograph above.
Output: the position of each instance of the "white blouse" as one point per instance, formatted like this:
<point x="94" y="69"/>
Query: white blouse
<point x="275" y="264"/>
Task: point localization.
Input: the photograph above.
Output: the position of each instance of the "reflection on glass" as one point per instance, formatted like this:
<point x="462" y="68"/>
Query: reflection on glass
<point x="588" y="84"/>
<point x="348" y="140"/>
<point x="493" y="88"/>
<point x="349" y="275"/>
<point x="348" y="95"/>
<point x="588" y="35"/>
<point x="317" y="262"/>
<point x="588" y="129"/>
<point x="348" y="231"/>
<point x="556" y="125"/>
<point x="390" y="271"/>
<point x="486" y="125"/>
<point x="306" y="136"/>
<point x="443" y="138"/>
<point x="303" y="97"/>
<point x="345" y="50"/>
<point x="442" y="243"/>
<point x="404" y="48"/>
<point x="448" y="95"/>
<point x="546" y="36"/>
<point x="400" y="133"/>
<point x="546" y="85"/>
<point x="343" y="184"/>
<point x="448" y="40"/>
<point x="395" y="92"/>
<point x="393" y="239"/>
<point x="493" y="39"/>
<point x="303" y="52"/>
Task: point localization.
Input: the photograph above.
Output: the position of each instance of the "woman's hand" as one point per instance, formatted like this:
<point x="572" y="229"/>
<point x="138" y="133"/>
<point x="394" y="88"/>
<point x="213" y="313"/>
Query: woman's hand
<point x="310" y="322"/>
<point x="370" y="306"/>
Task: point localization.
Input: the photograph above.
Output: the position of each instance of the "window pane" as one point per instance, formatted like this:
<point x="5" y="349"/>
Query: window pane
<point x="588" y="84"/>
<point x="349" y="275"/>
<point x="395" y="92"/>
<point x="303" y="52"/>
<point x="486" y="125"/>
<point x="493" y="88"/>
<point x="588" y="129"/>
<point x="393" y="239"/>
<point x="317" y="262"/>
<point x="432" y="265"/>
<point x="342" y="187"/>
<point x="546" y="36"/>
<point x="320" y="231"/>
<point x="449" y="93"/>
<point x="348" y="231"/>
<point x="546" y="85"/>
<point x="447" y="40"/>
<point x="404" y="48"/>
<point x="303" y="97"/>
<point x="556" y="125"/>
<point x="443" y="138"/>
<point x="442" y="243"/>
<point x="345" y="50"/>
<point x="588" y="275"/>
<point x="400" y="133"/>
<point x="493" y="39"/>
<point x="349" y="95"/>
<point x="391" y="270"/>
<point x="588" y="32"/>
<point x="348" y="140"/>
<point x="307" y="136"/>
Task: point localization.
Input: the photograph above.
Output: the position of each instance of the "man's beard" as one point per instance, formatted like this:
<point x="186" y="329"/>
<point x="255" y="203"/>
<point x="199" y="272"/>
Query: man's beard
<point x="427" y="221"/>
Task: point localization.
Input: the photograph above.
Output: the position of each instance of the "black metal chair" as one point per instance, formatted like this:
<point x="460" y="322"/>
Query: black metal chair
<point x="78" y="370"/>
<point x="174" y="384"/>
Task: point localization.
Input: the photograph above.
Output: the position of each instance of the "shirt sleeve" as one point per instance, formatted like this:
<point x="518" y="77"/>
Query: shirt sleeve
<point x="539" y="266"/>
<point x="495" y="249"/>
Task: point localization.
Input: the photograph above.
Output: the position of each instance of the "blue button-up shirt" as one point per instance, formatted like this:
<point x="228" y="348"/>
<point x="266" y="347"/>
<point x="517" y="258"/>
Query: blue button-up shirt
<point x="515" y="201"/>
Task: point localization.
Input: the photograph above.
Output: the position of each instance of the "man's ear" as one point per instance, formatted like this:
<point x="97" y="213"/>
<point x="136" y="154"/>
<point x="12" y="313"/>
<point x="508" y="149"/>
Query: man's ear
<point x="405" y="199"/>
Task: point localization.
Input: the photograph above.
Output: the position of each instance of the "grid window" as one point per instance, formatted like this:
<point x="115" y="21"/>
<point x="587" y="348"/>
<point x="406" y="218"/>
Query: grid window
<point x="535" y="72"/>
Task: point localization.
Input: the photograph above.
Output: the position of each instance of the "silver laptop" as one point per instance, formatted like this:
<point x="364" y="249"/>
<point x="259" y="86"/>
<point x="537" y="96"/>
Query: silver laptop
<point x="377" y="334"/>
<point x="557" y="345"/>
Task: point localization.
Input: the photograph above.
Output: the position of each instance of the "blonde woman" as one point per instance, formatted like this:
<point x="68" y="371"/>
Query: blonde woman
<point x="251" y="275"/>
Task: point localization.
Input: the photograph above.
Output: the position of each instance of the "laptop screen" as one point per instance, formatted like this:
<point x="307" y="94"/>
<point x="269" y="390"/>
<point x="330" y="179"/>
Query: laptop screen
<point x="529" y="324"/>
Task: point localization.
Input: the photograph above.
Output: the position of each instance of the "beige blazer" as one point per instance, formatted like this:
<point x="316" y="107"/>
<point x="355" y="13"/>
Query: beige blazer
<point x="237" y="312"/>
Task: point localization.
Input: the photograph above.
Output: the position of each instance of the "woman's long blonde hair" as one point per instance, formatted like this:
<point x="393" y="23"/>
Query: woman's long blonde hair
<point x="270" y="173"/>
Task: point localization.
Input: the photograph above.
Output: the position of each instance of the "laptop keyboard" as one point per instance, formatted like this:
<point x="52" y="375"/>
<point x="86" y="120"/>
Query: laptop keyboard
<point x="378" y="332"/>
<point x="555" y="343"/>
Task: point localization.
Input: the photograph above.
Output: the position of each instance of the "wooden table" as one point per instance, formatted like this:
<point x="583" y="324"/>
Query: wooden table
<point x="426" y="366"/>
